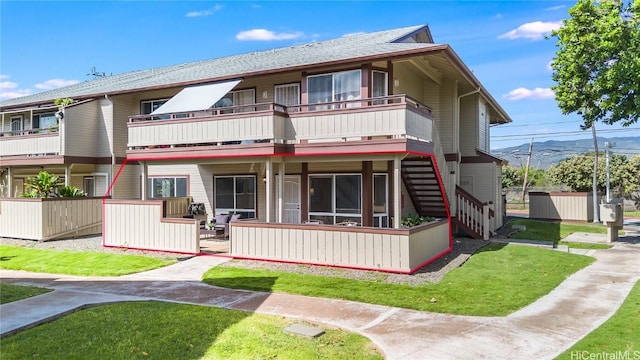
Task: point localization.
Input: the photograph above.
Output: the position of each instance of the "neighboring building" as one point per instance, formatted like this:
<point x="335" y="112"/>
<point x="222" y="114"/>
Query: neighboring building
<point x="361" y="130"/>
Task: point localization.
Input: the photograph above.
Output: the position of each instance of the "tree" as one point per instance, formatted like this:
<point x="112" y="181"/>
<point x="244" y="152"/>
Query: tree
<point x="511" y="177"/>
<point x="576" y="172"/>
<point x="597" y="64"/>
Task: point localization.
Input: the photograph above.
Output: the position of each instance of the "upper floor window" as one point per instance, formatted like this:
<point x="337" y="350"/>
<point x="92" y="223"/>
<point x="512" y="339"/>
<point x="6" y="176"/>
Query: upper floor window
<point x="339" y="86"/>
<point x="44" y="121"/>
<point x="379" y="84"/>
<point x="238" y="97"/>
<point x="16" y="123"/>
<point x="149" y="106"/>
<point x="287" y="94"/>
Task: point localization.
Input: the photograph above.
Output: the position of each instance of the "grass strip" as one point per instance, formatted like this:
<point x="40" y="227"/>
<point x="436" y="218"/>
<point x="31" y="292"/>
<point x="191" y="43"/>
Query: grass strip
<point x="11" y="292"/>
<point x="157" y="330"/>
<point x="496" y="281"/>
<point x="75" y="262"/>
<point x="617" y="338"/>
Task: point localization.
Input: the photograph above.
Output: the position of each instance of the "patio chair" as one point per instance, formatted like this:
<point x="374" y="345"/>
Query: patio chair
<point x="221" y="223"/>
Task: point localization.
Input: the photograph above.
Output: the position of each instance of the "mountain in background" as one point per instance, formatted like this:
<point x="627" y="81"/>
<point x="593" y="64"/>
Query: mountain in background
<point x="551" y="152"/>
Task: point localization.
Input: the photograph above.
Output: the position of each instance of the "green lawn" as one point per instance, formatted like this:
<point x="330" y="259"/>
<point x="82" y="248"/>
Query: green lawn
<point x="635" y="214"/>
<point x="618" y="334"/>
<point x="75" y="262"/>
<point x="496" y="281"/>
<point x="157" y="330"/>
<point x="10" y="292"/>
<point x="556" y="231"/>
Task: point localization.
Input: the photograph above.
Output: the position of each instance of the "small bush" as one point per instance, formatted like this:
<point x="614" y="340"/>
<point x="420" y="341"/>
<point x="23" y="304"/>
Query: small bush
<point x="71" y="191"/>
<point x="415" y="220"/>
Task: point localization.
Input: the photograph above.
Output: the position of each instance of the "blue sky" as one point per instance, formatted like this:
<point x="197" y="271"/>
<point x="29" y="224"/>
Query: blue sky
<point x="49" y="44"/>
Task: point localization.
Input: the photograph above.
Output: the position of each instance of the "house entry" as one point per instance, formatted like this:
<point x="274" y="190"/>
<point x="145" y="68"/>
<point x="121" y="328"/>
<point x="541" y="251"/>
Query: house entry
<point x="290" y="200"/>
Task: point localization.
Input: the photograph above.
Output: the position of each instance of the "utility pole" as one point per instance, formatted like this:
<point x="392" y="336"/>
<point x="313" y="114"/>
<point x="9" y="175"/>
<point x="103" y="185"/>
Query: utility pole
<point x="607" y="151"/>
<point x="596" y="209"/>
<point x="526" y="171"/>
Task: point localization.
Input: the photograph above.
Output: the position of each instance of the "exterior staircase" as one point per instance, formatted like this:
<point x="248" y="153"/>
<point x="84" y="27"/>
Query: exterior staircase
<point x="421" y="180"/>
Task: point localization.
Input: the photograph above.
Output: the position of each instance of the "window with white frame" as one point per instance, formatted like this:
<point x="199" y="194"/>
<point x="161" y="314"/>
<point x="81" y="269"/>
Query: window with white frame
<point x="379" y="85"/>
<point x="235" y="195"/>
<point x="237" y="98"/>
<point x="335" y="199"/>
<point x="149" y="106"/>
<point x="339" y="86"/>
<point x="287" y="95"/>
<point x="380" y="201"/>
<point x="161" y="187"/>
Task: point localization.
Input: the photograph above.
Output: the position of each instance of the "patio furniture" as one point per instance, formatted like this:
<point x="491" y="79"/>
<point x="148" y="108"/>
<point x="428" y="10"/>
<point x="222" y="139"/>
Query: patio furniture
<point x="221" y="223"/>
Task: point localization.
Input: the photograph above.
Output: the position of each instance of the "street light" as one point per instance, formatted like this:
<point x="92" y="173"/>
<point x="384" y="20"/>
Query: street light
<point x="607" y="147"/>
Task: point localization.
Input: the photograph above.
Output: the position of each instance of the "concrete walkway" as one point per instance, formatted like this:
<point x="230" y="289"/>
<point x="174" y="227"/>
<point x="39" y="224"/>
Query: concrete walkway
<point x="541" y="330"/>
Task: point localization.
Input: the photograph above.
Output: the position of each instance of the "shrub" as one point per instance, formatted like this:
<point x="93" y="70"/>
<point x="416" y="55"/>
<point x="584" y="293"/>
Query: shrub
<point x="415" y="220"/>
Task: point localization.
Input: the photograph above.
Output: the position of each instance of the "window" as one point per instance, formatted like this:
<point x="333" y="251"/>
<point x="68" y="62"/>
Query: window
<point x="161" y="187"/>
<point x="237" y="98"/>
<point x="89" y="184"/>
<point x="340" y="86"/>
<point x="44" y="121"/>
<point x="236" y="194"/>
<point x="380" y="201"/>
<point x="287" y="95"/>
<point x="16" y="123"/>
<point x="379" y="86"/>
<point x="335" y="198"/>
<point x="149" y="106"/>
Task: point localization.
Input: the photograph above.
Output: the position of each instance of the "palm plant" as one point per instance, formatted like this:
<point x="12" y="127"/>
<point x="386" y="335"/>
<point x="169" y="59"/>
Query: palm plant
<point x="43" y="185"/>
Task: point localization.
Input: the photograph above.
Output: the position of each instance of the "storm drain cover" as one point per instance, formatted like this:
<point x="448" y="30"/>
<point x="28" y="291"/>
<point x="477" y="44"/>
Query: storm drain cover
<point x="304" y="330"/>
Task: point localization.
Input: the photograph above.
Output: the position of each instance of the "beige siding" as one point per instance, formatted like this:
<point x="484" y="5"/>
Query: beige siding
<point x="30" y="145"/>
<point x="399" y="250"/>
<point x="251" y="127"/>
<point x="83" y="127"/>
<point x="483" y="127"/>
<point x="446" y="123"/>
<point x="484" y="177"/>
<point x="357" y="123"/>
<point x="123" y="106"/>
<point x="469" y="125"/>
<point x="140" y="225"/>
<point x="406" y="82"/>
<point x="561" y="206"/>
<point x="46" y="219"/>
<point x="104" y="139"/>
<point x="128" y="184"/>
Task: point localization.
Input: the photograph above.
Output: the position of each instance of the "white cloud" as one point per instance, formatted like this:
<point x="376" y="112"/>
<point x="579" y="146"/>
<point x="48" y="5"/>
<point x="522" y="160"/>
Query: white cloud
<point x="554" y="8"/>
<point x="4" y="95"/>
<point x="55" y="83"/>
<point x="498" y="16"/>
<point x="7" y="84"/>
<point x="266" y="35"/>
<point x="524" y="93"/>
<point x="9" y="89"/>
<point x="534" y="30"/>
<point x="204" y="12"/>
<point x="353" y="34"/>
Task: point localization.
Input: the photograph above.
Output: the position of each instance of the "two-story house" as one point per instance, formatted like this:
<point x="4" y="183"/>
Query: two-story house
<point x="299" y="141"/>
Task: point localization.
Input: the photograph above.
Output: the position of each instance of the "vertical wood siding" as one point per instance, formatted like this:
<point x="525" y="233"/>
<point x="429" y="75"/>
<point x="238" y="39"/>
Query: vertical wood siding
<point x="31" y="144"/>
<point x="82" y="127"/>
<point x="469" y="125"/>
<point x="561" y="206"/>
<point x="46" y="219"/>
<point x="400" y="250"/>
<point x="140" y="225"/>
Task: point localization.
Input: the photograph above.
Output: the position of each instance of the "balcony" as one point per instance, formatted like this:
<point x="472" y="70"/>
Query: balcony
<point x="272" y="125"/>
<point x="33" y="142"/>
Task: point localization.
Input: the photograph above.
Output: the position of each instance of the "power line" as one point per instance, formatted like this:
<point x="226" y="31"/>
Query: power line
<point x="556" y="134"/>
<point x="510" y="125"/>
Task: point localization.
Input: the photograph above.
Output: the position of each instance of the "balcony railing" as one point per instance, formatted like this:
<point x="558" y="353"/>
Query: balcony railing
<point x="30" y="142"/>
<point x="396" y="116"/>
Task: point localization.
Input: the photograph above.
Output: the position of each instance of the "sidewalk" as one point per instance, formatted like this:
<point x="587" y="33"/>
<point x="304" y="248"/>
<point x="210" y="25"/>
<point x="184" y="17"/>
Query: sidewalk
<point x="541" y="330"/>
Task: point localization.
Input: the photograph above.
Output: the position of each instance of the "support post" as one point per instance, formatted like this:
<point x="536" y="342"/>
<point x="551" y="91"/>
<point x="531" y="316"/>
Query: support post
<point x="281" y="172"/>
<point x="596" y="208"/>
<point x="143" y="185"/>
<point x="397" y="192"/>
<point x="268" y="192"/>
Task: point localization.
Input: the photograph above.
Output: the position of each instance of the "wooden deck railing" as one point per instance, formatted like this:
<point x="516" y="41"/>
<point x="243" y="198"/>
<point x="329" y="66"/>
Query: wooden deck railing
<point x="472" y="215"/>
